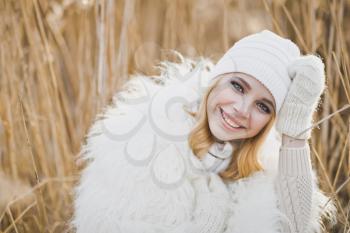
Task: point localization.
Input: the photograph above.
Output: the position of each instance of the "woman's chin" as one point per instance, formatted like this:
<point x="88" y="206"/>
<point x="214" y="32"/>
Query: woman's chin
<point x="220" y="135"/>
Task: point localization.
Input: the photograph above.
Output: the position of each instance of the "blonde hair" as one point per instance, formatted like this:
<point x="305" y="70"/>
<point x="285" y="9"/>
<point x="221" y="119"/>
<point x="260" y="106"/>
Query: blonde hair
<point x="244" y="160"/>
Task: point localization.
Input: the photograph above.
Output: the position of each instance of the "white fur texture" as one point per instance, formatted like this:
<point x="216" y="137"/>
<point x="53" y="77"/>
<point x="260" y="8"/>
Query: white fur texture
<point x="143" y="177"/>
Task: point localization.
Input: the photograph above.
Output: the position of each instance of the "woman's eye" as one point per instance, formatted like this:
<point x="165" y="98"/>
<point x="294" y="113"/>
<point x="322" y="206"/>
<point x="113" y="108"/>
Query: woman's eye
<point x="263" y="107"/>
<point x="237" y="86"/>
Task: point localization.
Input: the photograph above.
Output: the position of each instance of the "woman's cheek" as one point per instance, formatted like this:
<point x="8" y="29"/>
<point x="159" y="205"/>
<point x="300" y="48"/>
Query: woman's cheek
<point x="226" y="97"/>
<point x="264" y="119"/>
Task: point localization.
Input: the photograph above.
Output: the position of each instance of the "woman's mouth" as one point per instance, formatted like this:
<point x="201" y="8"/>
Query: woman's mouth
<point x="228" y="122"/>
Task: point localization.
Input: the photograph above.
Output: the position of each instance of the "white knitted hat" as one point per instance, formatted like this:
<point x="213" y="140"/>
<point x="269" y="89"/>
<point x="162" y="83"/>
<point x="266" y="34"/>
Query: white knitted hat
<point x="265" y="56"/>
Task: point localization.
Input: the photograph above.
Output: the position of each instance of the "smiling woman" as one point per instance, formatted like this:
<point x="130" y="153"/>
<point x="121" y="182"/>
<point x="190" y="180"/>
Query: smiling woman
<point x="157" y="167"/>
<point x="260" y="79"/>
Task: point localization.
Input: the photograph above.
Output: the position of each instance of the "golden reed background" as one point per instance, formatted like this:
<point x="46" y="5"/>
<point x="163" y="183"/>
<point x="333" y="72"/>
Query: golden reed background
<point x="62" y="60"/>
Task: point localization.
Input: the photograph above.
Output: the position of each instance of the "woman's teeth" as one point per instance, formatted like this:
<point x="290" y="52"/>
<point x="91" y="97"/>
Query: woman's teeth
<point x="228" y="121"/>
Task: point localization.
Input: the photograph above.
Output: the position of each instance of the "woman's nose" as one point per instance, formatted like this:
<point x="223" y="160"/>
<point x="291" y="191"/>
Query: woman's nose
<point x="242" y="109"/>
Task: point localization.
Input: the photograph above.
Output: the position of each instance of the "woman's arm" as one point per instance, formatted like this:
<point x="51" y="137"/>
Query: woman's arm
<point x="294" y="180"/>
<point x="294" y="184"/>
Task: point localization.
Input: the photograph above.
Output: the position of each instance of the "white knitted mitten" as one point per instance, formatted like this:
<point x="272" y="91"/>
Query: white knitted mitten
<point x="308" y="82"/>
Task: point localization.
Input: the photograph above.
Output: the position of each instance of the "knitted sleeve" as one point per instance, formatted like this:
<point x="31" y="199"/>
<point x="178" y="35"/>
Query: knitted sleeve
<point x="294" y="188"/>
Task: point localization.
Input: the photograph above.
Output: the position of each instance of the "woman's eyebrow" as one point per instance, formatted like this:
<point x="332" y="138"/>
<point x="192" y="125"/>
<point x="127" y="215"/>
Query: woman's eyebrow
<point x="244" y="83"/>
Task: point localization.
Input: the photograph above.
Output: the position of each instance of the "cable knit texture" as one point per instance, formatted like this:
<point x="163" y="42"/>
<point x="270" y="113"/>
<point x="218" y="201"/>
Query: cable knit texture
<point x="295" y="188"/>
<point x="141" y="175"/>
<point x="295" y="116"/>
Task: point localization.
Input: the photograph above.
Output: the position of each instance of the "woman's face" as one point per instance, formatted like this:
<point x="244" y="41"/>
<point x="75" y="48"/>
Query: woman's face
<point x="238" y="107"/>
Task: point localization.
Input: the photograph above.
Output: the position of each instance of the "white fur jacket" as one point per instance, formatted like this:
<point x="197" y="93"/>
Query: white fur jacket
<point x="143" y="178"/>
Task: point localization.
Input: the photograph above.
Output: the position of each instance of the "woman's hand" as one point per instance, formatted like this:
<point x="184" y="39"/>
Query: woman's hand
<point x="308" y="82"/>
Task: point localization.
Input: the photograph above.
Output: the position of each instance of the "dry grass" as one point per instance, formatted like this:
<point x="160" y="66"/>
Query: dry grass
<point x="61" y="61"/>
